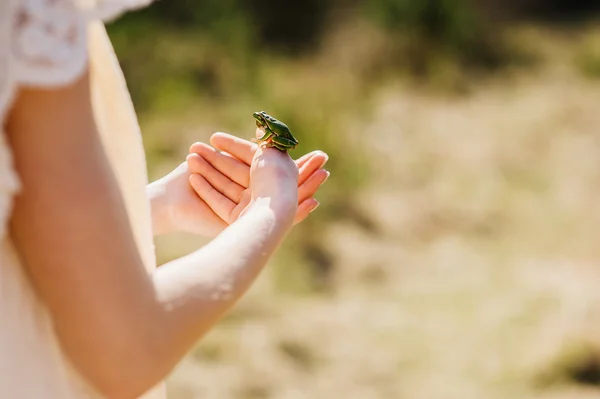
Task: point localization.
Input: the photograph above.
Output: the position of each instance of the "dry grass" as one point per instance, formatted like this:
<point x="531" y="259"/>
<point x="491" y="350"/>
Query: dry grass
<point x="485" y="271"/>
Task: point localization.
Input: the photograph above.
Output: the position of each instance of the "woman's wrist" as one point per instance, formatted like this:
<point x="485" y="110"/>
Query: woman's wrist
<point x="159" y="207"/>
<point x="282" y="209"/>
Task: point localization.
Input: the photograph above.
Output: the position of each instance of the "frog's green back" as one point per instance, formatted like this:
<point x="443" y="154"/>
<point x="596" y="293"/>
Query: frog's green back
<point x="280" y="128"/>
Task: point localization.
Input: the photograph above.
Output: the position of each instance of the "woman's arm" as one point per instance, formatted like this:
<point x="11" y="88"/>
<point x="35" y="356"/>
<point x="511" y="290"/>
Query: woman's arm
<point x="123" y="329"/>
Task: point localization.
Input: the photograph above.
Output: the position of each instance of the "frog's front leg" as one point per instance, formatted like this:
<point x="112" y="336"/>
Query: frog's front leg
<point x="268" y="133"/>
<point x="261" y="125"/>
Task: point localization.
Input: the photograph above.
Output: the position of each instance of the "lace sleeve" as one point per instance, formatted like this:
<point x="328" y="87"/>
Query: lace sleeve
<point x="44" y="42"/>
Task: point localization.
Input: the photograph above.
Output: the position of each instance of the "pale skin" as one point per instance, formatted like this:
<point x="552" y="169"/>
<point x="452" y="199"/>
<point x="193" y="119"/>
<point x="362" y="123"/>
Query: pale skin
<point x="219" y="175"/>
<point x="123" y="329"/>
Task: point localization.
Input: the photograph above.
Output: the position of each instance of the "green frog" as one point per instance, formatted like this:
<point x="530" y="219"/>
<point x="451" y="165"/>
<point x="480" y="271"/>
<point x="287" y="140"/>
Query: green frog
<point x="277" y="134"/>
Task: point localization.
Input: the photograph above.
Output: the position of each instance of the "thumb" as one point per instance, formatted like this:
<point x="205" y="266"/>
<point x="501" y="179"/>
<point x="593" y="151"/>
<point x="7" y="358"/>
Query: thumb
<point x="273" y="173"/>
<point x="273" y="163"/>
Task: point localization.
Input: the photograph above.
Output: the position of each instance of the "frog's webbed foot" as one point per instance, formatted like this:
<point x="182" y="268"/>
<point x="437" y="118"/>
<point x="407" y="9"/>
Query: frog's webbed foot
<point x="267" y="134"/>
<point x="274" y="144"/>
<point x="284" y="142"/>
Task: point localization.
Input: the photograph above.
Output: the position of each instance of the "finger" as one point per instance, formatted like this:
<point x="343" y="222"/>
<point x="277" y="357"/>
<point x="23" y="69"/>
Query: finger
<point x="241" y="149"/>
<point x="220" y="182"/>
<point x="312" y="164"/>
<point x="201" y="208"/>
<point x="275" y="168"/>
<point x="306" y="157"/>
<point x="229" y="166"/>
<point x="244" y="202"/>
<point x="220" y="204"/>
<point x="304" y="209"/>
<point x="310" y="186"/>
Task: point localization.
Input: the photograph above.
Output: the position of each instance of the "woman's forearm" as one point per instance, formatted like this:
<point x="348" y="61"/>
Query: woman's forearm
<point x="194" y="291"/>
<point x="198" y="289"/>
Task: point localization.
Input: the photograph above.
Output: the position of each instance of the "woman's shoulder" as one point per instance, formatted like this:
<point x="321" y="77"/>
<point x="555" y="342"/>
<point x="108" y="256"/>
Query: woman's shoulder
<point x="43" y="43"/>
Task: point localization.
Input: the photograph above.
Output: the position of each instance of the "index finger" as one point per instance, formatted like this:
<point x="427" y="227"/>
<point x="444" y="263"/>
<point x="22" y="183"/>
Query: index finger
<point x="243" y="150"/>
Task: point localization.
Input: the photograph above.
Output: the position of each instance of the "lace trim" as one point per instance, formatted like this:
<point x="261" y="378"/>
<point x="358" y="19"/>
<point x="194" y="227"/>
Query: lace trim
<point x="44" y="42"/>
<point x="49" y="43"/>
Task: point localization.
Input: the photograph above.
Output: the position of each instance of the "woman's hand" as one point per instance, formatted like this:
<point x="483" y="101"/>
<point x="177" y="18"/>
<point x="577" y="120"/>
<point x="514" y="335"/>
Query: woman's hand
<point x="176" y="206"/>
<point x="222" y="178"/>
<point x="209" y="191"/>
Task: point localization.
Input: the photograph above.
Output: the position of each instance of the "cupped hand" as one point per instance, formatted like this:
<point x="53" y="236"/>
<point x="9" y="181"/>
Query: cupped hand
<point x="222" y="178"/>
<point x="177" y="207"/>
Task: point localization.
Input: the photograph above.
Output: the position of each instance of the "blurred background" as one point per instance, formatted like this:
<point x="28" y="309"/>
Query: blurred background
<point x="455" y="253"/>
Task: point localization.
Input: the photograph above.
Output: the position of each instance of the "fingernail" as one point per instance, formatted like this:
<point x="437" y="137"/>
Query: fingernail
<point x="315" y="207"/>
<point x="327" y="177"/>
<point x="323" y="163"/>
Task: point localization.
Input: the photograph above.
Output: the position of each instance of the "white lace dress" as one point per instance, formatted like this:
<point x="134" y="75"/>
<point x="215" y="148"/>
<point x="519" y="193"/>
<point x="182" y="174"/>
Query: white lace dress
<point x="48" y="43"/>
